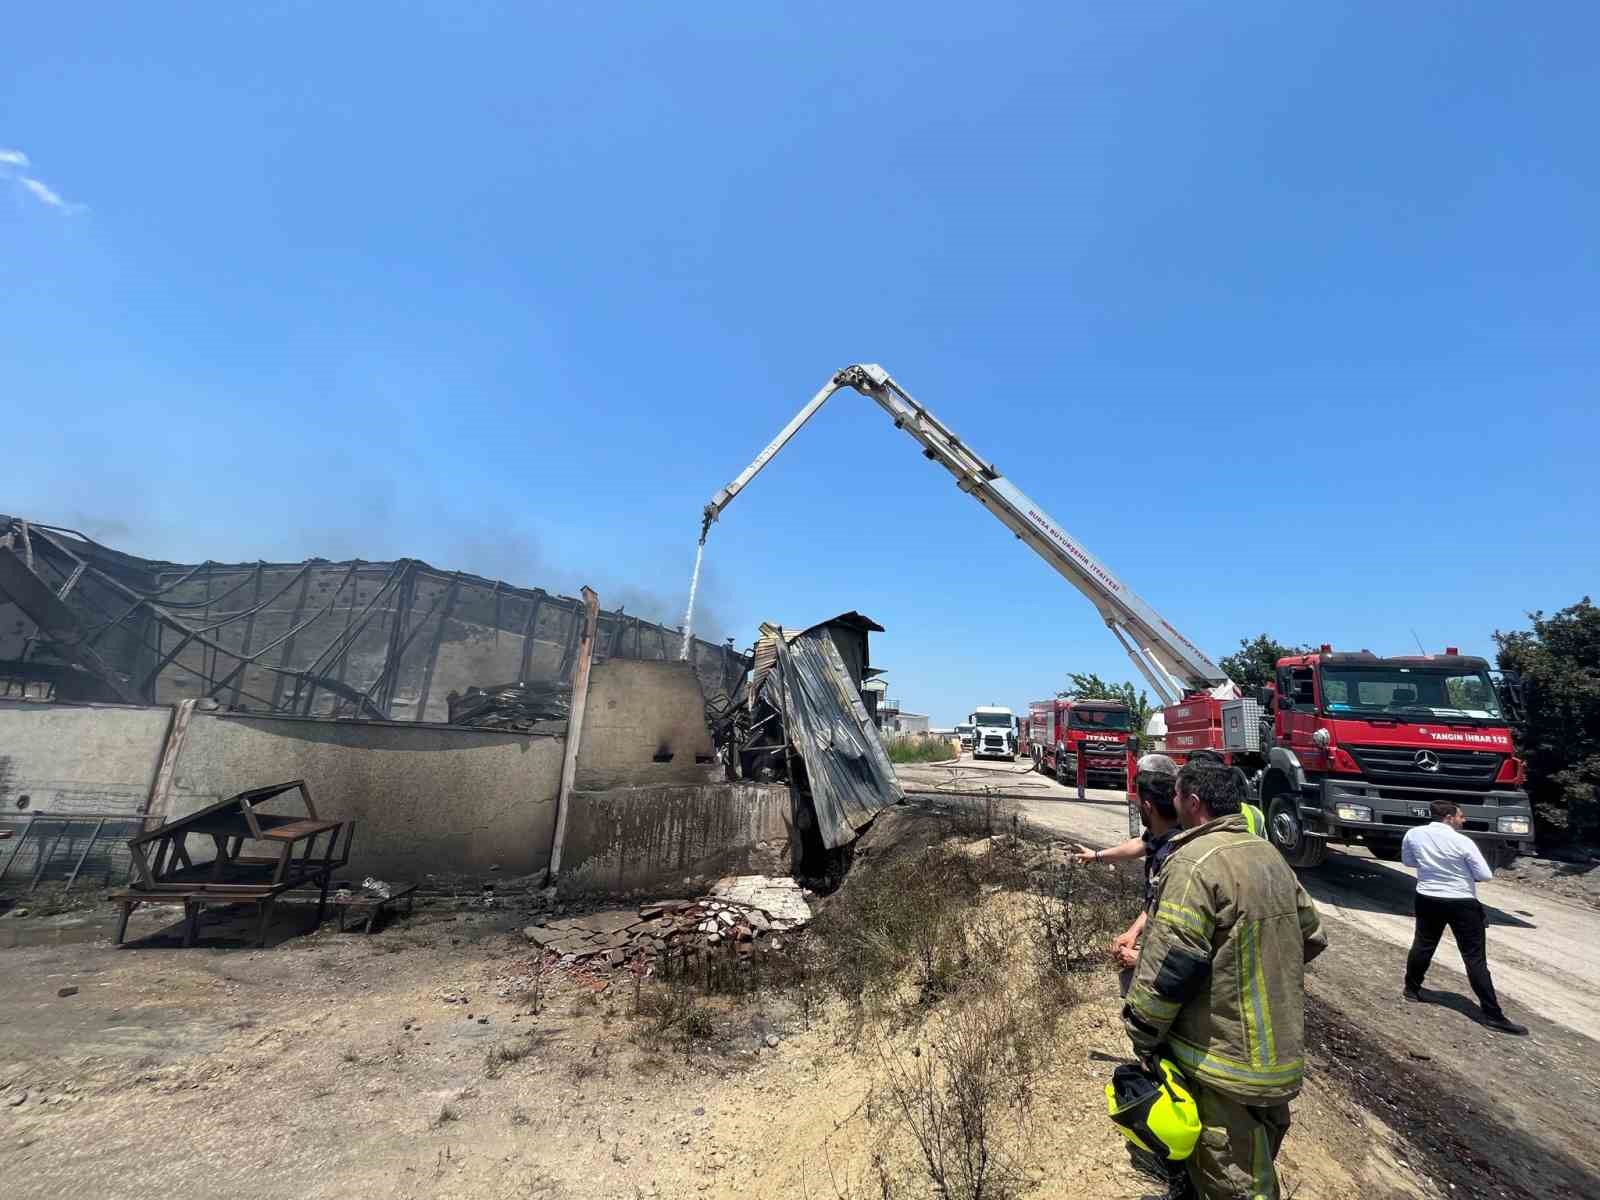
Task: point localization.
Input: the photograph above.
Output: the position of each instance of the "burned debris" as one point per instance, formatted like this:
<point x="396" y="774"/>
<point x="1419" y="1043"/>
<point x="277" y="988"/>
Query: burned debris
<point x="521" y="705"/>
<point x="802" y="718"/>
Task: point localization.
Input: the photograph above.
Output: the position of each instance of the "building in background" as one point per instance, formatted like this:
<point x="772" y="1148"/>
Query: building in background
<point x="893" y="721"/>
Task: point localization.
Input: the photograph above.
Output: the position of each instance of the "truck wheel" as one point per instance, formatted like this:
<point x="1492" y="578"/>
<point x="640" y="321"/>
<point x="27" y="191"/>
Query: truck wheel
<point x="1386" y="851"/>
<point x="1288" y="834"/>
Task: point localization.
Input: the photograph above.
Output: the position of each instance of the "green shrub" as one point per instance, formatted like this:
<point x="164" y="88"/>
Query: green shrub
<point x="921" y="749"/>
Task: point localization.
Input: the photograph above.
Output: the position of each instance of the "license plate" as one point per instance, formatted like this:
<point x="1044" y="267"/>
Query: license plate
<point x="1421" y="810"/>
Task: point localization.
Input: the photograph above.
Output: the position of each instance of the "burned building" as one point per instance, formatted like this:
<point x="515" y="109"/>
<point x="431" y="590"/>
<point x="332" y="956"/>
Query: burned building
<point x="436" y="710"/>
<point x="377" y="640"/>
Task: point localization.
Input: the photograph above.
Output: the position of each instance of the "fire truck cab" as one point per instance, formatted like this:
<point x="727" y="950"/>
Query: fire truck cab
<point x="1062" y="729"/>
<point x="1353" y="748"/>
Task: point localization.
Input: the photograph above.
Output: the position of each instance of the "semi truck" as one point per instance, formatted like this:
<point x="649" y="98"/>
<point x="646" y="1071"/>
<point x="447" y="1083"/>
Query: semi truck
<point x="1065" y="728"/>
<point x="1341" y="747"/>
<point x="994" y="732"/>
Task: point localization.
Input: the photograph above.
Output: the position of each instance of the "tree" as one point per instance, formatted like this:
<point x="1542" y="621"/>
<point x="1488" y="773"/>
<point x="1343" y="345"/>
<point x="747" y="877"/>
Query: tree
<point x="1092" y="687"/>
<point x="1559" y="661"/>
<point x="1256" y="662"/>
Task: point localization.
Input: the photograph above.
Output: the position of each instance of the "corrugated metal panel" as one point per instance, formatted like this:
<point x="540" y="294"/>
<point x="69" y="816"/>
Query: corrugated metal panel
<point x="847" y="767"/>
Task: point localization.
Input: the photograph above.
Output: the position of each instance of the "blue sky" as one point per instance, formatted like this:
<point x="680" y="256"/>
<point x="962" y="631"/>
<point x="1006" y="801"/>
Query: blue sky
<point x="1290" y="313"/>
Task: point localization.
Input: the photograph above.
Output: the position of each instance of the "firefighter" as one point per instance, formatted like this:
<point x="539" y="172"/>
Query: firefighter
<point x="1220" y="987"/>
<point x="1254" y="818"/>
<point x="1154" y="781"/>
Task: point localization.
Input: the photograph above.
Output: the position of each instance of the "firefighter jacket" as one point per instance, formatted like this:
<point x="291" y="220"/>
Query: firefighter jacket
<point x="1220" y="983"/>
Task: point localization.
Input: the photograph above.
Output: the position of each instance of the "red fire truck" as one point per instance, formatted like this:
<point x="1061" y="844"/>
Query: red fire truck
<point x="1352" y="747"/>
<point x="1065" y="729"/>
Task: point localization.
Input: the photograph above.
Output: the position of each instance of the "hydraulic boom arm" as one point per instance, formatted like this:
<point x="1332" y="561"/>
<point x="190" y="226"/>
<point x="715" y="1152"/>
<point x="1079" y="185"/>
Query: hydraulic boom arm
<point x="1169" y="662"/>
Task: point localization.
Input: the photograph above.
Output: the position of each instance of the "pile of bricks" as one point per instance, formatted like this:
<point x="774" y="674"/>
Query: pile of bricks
<point x="740" y="913"/>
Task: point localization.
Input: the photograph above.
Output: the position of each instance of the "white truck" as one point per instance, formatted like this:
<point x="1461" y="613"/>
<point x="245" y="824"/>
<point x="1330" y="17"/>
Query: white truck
<point x="994" y="733"/>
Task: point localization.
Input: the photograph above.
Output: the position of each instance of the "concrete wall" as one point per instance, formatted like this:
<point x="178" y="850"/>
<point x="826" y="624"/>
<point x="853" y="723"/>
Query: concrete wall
<point x="79" y="758"/>
<point x="431" y="799"/>
<point x="644" y="726"/>
<point x="654" y="837"/>
<point x="425" y="799"/>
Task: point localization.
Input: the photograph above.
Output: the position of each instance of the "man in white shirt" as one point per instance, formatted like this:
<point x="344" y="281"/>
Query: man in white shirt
<point x="1449" y="868"/>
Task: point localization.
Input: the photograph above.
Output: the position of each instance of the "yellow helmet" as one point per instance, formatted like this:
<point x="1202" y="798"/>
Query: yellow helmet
<point x="1157" y="1114"/>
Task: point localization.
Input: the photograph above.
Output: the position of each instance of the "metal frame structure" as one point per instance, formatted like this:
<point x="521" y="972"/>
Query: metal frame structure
<point x="124" y="629"/>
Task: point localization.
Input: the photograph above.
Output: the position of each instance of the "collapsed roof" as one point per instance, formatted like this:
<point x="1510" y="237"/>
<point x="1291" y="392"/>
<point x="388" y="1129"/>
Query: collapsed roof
<point x="381" y="640"/>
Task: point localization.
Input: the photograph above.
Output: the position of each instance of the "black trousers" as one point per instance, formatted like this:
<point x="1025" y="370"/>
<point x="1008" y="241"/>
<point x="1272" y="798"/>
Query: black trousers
<point x="1465" y="919"/>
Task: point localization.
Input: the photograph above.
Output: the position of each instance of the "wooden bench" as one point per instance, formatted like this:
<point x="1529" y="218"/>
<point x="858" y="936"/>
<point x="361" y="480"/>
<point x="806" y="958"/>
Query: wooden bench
<point x="165" y="872"/>
<point x="373" y="906"/>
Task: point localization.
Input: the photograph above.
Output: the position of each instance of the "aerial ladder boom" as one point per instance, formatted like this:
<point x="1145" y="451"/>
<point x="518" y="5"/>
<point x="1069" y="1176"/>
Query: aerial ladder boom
<point x="1169" y="662"/>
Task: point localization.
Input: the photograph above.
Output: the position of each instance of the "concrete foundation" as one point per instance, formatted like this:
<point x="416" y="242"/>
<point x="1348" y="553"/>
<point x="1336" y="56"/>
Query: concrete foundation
<point x="629" y="838"/>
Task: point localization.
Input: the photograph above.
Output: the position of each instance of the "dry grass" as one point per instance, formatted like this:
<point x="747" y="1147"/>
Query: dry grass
<point x="532" y="996"/>
<point x="508" y="1053"/>
<point x="959" y="962"/>
<point x="901" y="916"/>
<point x="955" y="963"/>
<point x="670" y="1012"/>
<point x="1075" y="911"/>
<point x="965" y="1098"/>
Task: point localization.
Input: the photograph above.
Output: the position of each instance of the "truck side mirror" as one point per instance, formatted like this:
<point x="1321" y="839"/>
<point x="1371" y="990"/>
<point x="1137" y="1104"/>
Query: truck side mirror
<point x="1509" y="691"/>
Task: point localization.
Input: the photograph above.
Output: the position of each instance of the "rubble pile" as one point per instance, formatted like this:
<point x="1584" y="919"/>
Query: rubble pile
<point x="521" y="705"/>
<point x="740" y="912"/>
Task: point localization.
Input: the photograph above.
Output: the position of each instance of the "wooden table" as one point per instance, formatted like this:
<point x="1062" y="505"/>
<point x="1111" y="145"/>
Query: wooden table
<point x="165" y="872"/>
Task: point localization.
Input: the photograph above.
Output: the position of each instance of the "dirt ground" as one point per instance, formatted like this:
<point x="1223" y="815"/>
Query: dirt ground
<point x="410" y="1064"/>
<point x="1576" y="877"/>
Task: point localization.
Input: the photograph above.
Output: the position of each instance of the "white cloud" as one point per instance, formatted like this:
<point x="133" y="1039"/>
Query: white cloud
<point x="36" y="188"/>
<point x="14" y="161"/>
<point x="44" y="194"/>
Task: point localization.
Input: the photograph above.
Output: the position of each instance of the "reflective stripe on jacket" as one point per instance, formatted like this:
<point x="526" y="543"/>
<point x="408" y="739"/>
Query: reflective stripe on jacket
<point x="1254" y="821"/>
<point x="1220" y="981"/>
